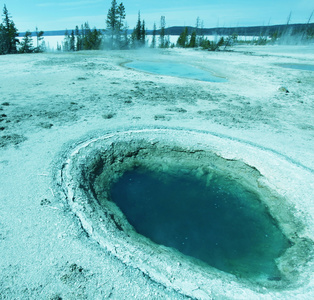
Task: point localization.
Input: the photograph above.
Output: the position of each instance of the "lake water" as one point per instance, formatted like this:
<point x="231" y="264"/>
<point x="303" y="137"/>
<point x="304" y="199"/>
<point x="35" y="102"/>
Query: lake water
<point x="174" y="69"/>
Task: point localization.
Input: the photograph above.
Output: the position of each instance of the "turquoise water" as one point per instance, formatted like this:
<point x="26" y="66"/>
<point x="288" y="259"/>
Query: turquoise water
<point x="175" y="69"/>
<point x="298" y="67"/>
<point x="221" y="224"/>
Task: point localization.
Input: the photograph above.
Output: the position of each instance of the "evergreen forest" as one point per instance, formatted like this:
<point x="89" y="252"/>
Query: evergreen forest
<point x="117" y="35"/>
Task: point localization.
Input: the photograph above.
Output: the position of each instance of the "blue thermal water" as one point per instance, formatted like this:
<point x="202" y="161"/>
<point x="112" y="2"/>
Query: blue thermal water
<point x="174" y="69"/>
<point x="298" y="67"/>
<point x="220" y="224"/>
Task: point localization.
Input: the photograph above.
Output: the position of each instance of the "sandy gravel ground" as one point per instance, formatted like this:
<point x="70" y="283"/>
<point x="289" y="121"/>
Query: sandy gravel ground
<point x="51" y="101"/>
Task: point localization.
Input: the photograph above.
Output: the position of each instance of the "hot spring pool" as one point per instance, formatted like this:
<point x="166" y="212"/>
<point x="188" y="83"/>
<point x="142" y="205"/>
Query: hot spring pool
<point x="163" y="202"/>
<point x="174" y="69"/>
<point x="304" y="67"/>
<point x="217" y="221"/>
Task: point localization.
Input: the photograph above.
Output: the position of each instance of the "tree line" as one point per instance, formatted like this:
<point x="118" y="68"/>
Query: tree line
<point x="8" y="34"/>
<point x="83" y="38"/>
<point x="116" y="35"/>
<point x="9" y="42"/>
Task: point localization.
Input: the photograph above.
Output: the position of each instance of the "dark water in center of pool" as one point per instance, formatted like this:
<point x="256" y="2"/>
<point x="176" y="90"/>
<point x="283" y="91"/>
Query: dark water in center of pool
<point x="218" y="222"/>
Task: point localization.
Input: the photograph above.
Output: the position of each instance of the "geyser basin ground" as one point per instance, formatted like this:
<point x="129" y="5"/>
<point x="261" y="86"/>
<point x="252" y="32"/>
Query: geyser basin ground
<point x="94" y="169"/>
<point x="67" y="95"/>
<point x="174" y="69"/>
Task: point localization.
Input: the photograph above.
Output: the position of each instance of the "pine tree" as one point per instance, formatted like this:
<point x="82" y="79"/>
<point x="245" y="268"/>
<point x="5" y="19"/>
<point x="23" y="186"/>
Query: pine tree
<point x="27" y="43"/>
<point x="112" y="17"/>
<point x="78" y="36"/>
<point x="139" y="33"/>
<point x="115" y="22"/>
<point x="162" y="41"/>
<point x="82" y="36"/>
<point x="8" y="34"/>
<point x="192" y="43"/>
<point x="72" y="41"/>
<point x="40" y="44"/>
<point x="153" y="44"/>
<point x="2" y="39"/>
<point x="86" y="36"/>
<point x="66" y="41"/>
<point x="88" y="39"/>
<point x="136" y="34"/>
<point x="183" y="38"/>
<point x="201" y="34"/>
<point x="121" y="16"/>
<point x="143" y="33"/>
<point x="94" y="39"/>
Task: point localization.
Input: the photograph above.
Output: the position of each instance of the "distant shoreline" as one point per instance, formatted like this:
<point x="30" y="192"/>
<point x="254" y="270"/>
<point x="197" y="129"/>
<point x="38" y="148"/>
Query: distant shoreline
<point x="177" y="30"/>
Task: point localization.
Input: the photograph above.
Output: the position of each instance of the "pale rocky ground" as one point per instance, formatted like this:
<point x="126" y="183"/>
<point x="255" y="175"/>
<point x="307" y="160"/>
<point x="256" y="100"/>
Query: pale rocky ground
<point x="50" y="101"/>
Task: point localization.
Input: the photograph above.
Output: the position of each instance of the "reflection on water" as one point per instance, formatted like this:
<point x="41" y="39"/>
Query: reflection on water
<point x="175" y="69"/>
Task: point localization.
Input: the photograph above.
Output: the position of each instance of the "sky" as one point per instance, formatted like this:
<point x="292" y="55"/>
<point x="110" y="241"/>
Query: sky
<point x="66" y="14"/>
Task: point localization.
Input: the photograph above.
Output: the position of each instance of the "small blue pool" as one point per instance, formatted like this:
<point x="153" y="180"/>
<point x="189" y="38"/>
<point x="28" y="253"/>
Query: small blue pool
<point x="174" y="69"/>
<point x="298" y="66"/>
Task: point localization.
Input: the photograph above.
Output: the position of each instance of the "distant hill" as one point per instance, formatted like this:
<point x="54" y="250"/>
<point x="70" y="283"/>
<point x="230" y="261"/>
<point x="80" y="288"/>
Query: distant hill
<point x="243" y="31"/>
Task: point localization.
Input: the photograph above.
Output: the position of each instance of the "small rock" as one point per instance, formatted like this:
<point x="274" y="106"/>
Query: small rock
<point x="45" y="125"/>
<point x="162" y="118"/>
<point x="45" y="202"/>
<point x="274" y="278"/>
<point x="108" y="116"/>
<point x="55" y="297"/>
<point x="283" y="89"/>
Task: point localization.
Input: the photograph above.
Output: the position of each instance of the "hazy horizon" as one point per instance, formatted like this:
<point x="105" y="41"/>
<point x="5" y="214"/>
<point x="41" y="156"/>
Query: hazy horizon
<point x="59" y="15"/>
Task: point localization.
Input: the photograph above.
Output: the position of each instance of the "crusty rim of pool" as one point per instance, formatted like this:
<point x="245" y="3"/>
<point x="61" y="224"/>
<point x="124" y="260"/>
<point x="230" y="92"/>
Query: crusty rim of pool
<point x="166" y="264"/>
